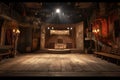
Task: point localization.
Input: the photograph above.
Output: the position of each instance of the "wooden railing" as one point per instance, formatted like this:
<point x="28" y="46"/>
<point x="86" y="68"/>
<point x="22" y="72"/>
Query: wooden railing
<point x="5" y="52"/>
<point x="112" y="55"/>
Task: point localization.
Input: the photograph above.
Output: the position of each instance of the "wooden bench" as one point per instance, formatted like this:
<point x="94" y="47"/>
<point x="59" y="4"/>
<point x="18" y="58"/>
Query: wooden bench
<point x="108" y="56"/>
<point x="115" y="51"/>
<point x="5" y="52"/>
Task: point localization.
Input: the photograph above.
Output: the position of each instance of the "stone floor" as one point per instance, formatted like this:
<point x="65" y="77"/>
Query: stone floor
<point x="49" y="64"/>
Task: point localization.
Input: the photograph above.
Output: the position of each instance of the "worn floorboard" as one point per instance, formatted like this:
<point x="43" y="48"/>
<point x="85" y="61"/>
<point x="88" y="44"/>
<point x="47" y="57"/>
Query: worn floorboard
<point x="48" y="64"/>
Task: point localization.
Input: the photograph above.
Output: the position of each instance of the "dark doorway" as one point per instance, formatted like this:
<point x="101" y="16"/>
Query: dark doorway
<point x="117" y="28"/>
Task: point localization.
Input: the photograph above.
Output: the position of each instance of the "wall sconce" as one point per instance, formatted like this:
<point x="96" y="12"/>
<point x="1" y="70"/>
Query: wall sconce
<point x="16" y="32"/>
<point x="96" y="31"/>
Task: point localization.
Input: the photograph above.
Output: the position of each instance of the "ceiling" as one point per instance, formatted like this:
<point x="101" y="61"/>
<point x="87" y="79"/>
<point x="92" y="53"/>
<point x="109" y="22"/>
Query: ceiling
<point x="71" y="12"/>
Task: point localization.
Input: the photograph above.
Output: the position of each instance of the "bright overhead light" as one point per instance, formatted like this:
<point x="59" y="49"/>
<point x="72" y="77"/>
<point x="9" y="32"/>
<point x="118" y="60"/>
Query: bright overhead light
<point x="67" y="27"/>
<point x="71" y="28"/>
<point x="48" y="27"/>
<point x="52" y="27"/>
<point x="57" y="10"/>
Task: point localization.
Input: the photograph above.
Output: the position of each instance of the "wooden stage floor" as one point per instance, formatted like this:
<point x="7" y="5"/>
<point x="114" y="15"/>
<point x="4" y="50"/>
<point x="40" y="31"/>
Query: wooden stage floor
<point x="49" y="64"/>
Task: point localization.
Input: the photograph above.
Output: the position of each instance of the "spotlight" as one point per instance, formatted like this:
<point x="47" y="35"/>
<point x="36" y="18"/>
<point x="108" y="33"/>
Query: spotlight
<point x="57" y="10"/>
<point x="48" y="27"/>
<point x="67" y="27"/>
<point x="52" y="27"/>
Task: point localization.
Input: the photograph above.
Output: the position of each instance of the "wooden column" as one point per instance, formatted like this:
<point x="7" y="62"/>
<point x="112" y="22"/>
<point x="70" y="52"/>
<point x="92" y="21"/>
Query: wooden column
<point x="3" y="33"/>
<point x="42" y="37"/>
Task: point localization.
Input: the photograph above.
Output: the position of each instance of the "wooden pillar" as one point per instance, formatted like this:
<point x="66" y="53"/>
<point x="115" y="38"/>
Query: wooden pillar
<point x="80" y="36"/>
<point x="42" y="37"/>
<point x="2" y="36"/>
<point x="3" y="33"/>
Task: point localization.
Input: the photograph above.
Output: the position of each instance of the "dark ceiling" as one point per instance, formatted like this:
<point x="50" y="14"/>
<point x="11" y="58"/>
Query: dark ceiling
<point x="71" y="12"/>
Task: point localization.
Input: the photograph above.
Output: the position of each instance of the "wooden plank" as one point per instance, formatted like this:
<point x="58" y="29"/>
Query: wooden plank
<point x="86" y="64"/>
<point x="58" y="63"/>
<point x="75" y="63"/>
<point x="11" y="63"/>
<point x="97" y="64"/>
<point x="106" y="66"/>
<point x="23" y="64"/>
<point x="66" y="67"/>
